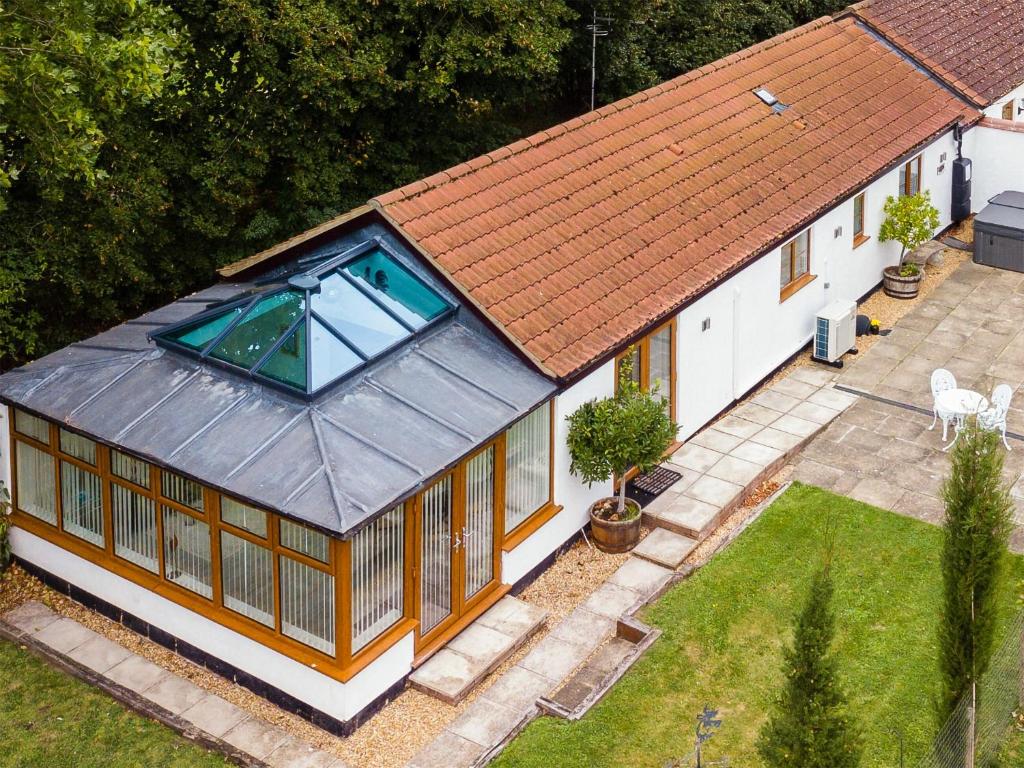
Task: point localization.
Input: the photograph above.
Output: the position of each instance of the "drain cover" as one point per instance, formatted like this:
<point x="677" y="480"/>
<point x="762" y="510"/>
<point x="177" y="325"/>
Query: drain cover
<point x="645" y="488"/>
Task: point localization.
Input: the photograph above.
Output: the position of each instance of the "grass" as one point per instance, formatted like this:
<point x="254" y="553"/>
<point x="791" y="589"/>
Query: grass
<point x="724" y="631"/>
<point x="50" y="719"/>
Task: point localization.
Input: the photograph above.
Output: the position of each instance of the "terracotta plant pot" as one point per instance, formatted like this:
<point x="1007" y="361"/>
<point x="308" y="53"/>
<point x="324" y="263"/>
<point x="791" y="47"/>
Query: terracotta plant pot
<point x="900" y="287"/>
<point x="615" y="536"/>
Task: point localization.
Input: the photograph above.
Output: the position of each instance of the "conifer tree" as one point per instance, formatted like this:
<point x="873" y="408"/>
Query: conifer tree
<point x="976" y="534"/>
<point x="811" y="727"/>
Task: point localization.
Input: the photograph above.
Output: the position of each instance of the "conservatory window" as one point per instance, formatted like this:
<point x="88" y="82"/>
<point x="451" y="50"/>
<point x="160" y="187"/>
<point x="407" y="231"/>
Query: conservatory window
<point x="305" y="541"/>
<point x="247" y="578"/>
<point x="81" y="498"/>
<point x="378" y="577"/>
<point x="527" y="466"/>
<point x="243" y="516"/>
<point x="187" y="552"/>
<point x="80" y="447"/>
<point x="135" y="535"/>
<point x="307" y="604"/>
<point x="31" y="426"/>
<point x="182" y="490"/>
<point x="36" y="485"/>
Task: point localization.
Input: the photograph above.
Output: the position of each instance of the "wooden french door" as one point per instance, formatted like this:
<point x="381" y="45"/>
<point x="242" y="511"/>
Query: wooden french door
<point x="457" y="525"/>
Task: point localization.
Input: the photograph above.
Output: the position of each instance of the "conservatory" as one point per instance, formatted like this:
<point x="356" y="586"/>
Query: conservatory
<point x="284" y="460"/>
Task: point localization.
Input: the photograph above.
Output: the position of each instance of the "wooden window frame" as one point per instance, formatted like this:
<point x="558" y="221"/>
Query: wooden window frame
<point x="859" y="238"/>
<point x="643" y="346"/>
<point x="796" y="282"/>
<point x="906" y="188"/>
<point x="1008" y="107"/>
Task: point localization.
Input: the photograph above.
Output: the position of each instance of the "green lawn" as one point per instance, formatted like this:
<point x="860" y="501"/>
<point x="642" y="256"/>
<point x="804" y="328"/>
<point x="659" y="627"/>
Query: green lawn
<point x="724" y="630"/>
<point x="51" y="720"/>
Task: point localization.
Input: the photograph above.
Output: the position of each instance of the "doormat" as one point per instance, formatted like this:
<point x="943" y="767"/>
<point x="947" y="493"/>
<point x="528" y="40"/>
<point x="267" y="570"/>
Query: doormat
<point x="647" y="487"/>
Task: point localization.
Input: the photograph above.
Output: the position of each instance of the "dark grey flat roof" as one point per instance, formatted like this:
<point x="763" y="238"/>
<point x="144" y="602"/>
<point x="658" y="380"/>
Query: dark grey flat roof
<point x="334" y="462"/>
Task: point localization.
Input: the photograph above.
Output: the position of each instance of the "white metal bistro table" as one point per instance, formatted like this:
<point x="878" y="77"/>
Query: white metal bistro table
<point x="959" y="404"/>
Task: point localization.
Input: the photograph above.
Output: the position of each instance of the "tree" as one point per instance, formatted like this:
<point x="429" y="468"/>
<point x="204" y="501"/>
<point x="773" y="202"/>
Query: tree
<point x="909" y="220"/>
<point x="68" y="69"/>
<point x="975" y="537"/>
<point x="810" y="726"/>
<point x="611" y="436"/>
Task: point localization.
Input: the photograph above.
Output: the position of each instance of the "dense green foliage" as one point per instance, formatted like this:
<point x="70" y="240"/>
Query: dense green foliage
<point x="145" y="143"/>
<point x="975" y="536"/>
<point x="614" y="434"/>
<point x="909" y="220"/>
<point x="50" y="719"/>
<point x="725" y="629"/>
<point x="810" y="726"/>
<point x="5" y="528"/>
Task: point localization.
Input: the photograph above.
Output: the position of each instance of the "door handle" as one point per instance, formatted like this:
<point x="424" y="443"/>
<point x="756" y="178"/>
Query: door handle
<point x="457" y="543"/>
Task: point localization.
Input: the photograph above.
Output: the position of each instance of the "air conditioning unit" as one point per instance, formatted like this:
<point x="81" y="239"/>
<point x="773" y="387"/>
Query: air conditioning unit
<point x="835" y="332"/>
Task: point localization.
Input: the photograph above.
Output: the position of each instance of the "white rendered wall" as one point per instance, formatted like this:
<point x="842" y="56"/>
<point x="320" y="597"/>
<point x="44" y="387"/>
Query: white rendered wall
<point x="571" y="494"/>
<point x="997" y="163"/>
<point x="340" y="700"/>
<point x="1016" y="96"/>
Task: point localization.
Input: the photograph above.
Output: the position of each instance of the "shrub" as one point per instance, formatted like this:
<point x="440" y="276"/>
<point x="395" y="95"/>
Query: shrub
<point x="909" y="220"/>
<point x="610" y="436"/>
<point x="5" y="527"/>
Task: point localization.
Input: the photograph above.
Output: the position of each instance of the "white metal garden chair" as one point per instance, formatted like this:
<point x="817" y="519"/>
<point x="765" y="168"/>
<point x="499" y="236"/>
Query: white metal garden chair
<point x="994" y="418"/>
<point x="942" y="380"/>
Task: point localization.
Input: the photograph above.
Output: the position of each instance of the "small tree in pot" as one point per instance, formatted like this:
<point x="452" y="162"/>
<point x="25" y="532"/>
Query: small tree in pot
<point x="609" y="437"/>
<point x="910" y="221"/>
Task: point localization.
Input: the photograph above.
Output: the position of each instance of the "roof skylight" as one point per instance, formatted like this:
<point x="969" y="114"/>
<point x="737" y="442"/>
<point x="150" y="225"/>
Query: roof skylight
<point x="325" y="324"/>
<point x="766" y="96"/>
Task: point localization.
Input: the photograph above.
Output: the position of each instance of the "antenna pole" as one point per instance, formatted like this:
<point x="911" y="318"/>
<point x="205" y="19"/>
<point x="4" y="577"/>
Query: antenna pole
<point x="596" y="30"/>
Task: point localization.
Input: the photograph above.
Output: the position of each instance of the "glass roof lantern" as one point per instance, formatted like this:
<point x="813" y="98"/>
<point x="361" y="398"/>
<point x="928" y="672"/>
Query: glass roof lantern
<point x="323" y="325"/>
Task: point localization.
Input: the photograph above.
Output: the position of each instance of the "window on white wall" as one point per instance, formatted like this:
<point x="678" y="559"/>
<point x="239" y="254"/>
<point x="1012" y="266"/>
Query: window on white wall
<point x="859" y="235"/>
<point x="795" y="264"/>
<point x="910" y="177"/>
<point x="527" y="466"/>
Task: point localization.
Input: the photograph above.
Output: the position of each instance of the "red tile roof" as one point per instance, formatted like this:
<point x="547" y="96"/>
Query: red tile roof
<point x="578" y="238"/>
<point x="974" y="45"/>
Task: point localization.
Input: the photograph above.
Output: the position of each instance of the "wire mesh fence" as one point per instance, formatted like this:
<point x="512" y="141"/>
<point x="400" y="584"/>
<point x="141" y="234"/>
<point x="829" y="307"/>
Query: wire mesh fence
<point x="972" y="736"/>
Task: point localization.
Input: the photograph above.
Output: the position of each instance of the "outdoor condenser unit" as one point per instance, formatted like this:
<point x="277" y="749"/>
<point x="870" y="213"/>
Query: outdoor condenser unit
<point x="835" y="332"/>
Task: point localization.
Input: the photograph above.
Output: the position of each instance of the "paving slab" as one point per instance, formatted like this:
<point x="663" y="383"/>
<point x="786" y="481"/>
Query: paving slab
<point x="136" y="674"/>
<point x="446" y="751"/>
<point x="819" y="414"/>
<point x="64" y="635"/>
<point x="740" y="427"/>
<point x="796" y="426"/>
<point x="757" y="453"/>
<point x="555" y="658"/>
<point x="609" y="600"/>
<point x="584" y="628"/>
<point x="714" y="491"/>
<point x="717" y="440"/>
<point x="687" y="516"/>
<point x="641" y="576"/>
<point x="480" y="644"/>
<point x="759" y="414"/>
<point x="518" y="688"/>
<point x="777" y="438"/>
<point x="296" y="753"/>
<point x="665" y="548"/>
<point x="174" y="693"/>
<point x="813" y="375"/>
<point x="447" y="675"/>
<point x="735" y="470"/>
<point x="256" y="737"/>
<point x="696" y="457"/>
<point x="776" y="401"/>
<point x="794" y="387"/>
<point x="99" y="654"/>
<point x="31" y="617"/>
<point x="485" y="722"/>
<point x="214" y="715"/>
<point x="513" y="617"/>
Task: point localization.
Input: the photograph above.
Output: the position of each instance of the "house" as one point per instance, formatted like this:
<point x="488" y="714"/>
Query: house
<point x="313" y="474"/>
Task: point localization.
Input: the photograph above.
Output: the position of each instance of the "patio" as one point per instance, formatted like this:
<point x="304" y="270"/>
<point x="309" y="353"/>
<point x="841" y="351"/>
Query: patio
<point x="880" y="450"/>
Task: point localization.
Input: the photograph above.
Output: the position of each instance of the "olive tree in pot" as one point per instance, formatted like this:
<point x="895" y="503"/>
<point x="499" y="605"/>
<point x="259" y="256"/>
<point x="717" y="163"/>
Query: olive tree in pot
<point x="910" y="220"/>
<point x="608" y="438"/>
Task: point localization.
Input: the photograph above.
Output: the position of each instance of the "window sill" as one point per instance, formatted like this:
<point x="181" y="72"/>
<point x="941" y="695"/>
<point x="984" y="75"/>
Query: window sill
<point x="795" y="286"/>
<point x="859" y="240"/>
<point x="529" y="526"/>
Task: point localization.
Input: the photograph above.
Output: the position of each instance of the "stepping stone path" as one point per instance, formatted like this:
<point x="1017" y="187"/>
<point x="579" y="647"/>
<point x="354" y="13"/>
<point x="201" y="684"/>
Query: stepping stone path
<point x="189" y="706"/>
<point x="475" y="652"/>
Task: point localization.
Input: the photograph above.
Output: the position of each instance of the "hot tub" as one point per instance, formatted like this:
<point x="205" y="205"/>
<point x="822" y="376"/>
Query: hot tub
<point x="999" y="232"/>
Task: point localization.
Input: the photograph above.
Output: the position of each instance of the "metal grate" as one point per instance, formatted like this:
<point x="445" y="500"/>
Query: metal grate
<point x="647" y="487"/>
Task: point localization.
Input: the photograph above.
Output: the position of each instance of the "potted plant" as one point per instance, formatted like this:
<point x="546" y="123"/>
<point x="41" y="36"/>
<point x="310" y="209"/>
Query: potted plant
<point x="910" y="220"/>
<point x="609" y="437"/>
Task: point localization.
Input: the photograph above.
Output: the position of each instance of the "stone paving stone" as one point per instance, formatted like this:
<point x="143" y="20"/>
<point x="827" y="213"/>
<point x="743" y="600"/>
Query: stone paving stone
<point x="695" y="457"/>
<point x="214" y="715"/>
<point x="608" y="600"/>
<point x="296" y="753"/>
<point x="31" y="617"/>
<point x="99" y="654"/>
<point x="136" y="674"/>
<point x="583" y="628"/>
<point x="555" y="658"/>
<point x="758" y="414"/>
<point x="877" y="492"/>
<point x="64" y="635"/>
<point x="794" y="388"/>
<point x="813" y="375"/>
<point x="756" y="453"/>
<point x="481" y="644"/>
<point x="518" y="688"/>
<point x="776" y="438"/>
<point x="513" y="617"/>
<point x="735" y="470"/>
<point x="775" y="401"/>
<point x="734" y="425"/>
<point x="256" y="737"/>
<point x="173" y="693"/>
<point x="712" y="490"/>
<point x="664" y="547"/>
<point x="796" y="426"/>
<point x="688" y="515"/>
<point x="716" y="440"/>
<point x="447" y="674"/>
<point x="921" y="507"/>
<point x="811" y="472"/>
<point x="641" y="576"/>
<point x="818" y="414"/>
<point x="832" y="398"/>
<point x="446" y="751"/>
<point x="904" y="451"/>
<point x="485" y="722"/>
